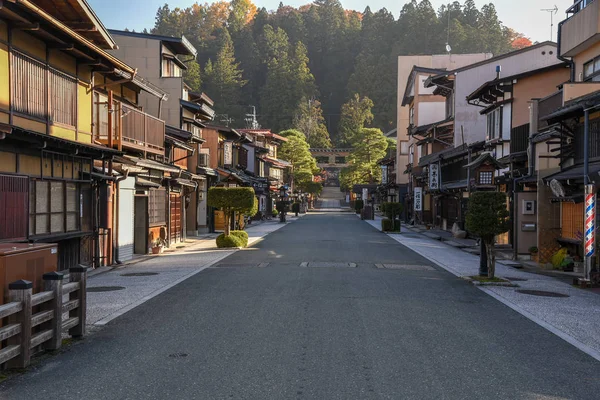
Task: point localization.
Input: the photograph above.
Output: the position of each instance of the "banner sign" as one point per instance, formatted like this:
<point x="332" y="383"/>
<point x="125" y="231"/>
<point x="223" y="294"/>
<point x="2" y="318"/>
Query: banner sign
<point x="434" y="177"/>
<point x="418" y="199"/>
<point x="227" y="153"/>
<point x="384" y="177"/>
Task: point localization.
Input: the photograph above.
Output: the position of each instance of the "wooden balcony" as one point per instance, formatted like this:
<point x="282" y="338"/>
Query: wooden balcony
<point x="581" y="30"/>
<point x="136" y="131"/>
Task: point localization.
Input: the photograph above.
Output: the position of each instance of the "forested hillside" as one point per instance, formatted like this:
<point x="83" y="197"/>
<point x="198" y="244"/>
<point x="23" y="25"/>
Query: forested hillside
<point x="293" y="64"/>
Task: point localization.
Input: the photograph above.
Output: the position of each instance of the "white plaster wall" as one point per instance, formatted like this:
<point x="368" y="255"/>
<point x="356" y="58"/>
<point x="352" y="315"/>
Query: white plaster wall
<point x="430" y="112"/>
<point x="467" y="116"/>
<point x="506" y="121"/>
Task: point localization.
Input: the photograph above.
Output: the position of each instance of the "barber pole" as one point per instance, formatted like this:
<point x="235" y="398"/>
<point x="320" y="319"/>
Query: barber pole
<point x="590" y="229"/>
<point x="590" y="217"/>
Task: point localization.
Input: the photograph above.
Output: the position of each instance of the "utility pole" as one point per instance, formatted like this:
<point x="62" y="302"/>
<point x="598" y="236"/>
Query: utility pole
<point x="552" y="12"/>
<point x="251" y="122"/>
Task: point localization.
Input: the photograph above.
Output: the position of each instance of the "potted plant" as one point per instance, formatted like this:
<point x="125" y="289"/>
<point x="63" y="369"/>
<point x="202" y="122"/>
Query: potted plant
<point x="157" y="246"/>
<point x="533" y="250"/>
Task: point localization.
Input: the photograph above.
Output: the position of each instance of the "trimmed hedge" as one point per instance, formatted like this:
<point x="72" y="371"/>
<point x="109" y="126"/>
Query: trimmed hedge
<point x="359" y="205"/>
<point x="242" y="236"/>
<point x="228" y="241"/>
<point x="386" y="225"/>
<point x="391" y="210"/>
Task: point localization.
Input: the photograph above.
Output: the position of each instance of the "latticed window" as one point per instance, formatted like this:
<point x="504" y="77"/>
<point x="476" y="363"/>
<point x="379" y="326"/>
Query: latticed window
<point x="572" y="221"/>
<point x="157" y="207"/>
<point x="28" y="85"/>
<point x="63" y="98"/>
<point x="486" y="177"/>
<point x="53" y="207"/>
<point x="30" y="82"/>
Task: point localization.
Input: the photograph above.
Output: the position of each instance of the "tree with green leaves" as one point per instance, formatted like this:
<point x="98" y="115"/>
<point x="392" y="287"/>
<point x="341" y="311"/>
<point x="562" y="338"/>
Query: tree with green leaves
<point x="223" y="78"/>
<point x="296" y="151"/>
<point x="368" y="148"/>
<point x="230" y="200"/>
<point x="487" y="217"/>
<point x="192" y="75"/>
<point x="356" y="113"/>
<point x="309" y="120"/>
<point x="320" y="50"/>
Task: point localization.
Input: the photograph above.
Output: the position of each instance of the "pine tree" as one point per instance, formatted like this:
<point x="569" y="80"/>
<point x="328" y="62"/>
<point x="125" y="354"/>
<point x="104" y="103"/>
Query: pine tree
<point x="356" y="113"/>
<point x="223" y="77"/>
<point x="191" y="76"/>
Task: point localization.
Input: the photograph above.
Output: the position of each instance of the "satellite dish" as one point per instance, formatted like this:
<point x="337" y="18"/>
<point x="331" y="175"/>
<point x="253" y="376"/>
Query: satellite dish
<point x="448" y="48"/>
<point x="557" y="188"/>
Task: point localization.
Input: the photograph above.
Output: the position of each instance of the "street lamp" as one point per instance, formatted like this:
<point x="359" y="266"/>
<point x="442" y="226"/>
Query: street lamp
<point x="282" y="195"/>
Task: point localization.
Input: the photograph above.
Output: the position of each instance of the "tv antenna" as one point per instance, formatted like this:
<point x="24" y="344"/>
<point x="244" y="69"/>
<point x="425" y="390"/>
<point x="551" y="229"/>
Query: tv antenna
<point x="448" y="48"/>
<point x="552" y="12"/>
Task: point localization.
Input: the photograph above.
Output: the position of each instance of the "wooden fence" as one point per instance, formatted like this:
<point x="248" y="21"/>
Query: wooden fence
<point x="35" y="321"/>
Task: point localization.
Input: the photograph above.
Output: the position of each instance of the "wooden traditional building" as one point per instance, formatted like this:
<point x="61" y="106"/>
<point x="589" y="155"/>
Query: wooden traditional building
<point x="61" y="96"/>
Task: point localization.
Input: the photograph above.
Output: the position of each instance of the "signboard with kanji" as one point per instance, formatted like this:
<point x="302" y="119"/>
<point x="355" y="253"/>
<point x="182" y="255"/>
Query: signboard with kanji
<point x="418" y="199"/>
<point x="434" y="177"/>
<point x="228" y="153"/>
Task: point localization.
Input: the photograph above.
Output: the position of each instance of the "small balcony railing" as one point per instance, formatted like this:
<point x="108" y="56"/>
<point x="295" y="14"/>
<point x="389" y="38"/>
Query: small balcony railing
<point x="579" y="31"/>
<point x="135" y="130"/>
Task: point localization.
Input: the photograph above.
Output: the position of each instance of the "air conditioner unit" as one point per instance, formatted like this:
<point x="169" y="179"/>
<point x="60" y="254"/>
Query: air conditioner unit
<point x="203" y="159"/>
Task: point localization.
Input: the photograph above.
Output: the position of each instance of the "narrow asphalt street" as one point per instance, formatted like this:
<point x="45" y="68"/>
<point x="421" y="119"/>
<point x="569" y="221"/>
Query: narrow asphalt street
<point x="307" y="314"/>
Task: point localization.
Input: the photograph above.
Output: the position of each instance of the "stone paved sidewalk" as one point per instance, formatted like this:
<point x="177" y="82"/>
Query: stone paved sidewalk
<point x="575" y="318"/>
<point x="153" y="275"/>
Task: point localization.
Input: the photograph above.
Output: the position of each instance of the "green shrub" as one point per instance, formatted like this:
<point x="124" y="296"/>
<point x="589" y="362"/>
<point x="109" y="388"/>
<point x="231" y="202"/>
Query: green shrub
<point x="275" y="213"/>
<point x="391" y="210"/>
<point x="228" y="241"/>
<point x="488" y="217"/>
<point x="296" y="208"/>
<point x="386" y="225"/>
<point x="238" y="199"/>
<point x="359" y="205"/>
<point x="242" y="236"/>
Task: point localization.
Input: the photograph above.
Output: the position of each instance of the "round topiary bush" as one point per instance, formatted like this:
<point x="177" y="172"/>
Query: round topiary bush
<point x="228" y="241"/>
<point x="242" y="236"/>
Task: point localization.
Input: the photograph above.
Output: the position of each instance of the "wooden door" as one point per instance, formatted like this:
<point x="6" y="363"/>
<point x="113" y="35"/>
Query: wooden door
<point x="176" y="216"/>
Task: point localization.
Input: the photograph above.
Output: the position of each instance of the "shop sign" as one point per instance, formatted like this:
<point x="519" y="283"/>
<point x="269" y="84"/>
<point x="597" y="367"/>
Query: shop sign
<point x="434" y="177"/>
<point x="418" y="199"/>
<point x="384" y="177"/>
<point x="228" y="153"/>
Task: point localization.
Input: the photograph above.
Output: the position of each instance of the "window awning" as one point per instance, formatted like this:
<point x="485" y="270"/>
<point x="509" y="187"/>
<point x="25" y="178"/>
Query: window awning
<point x="178" y="143"/>
<point x="146" y="183"/>
<point x="575" y="173"/>
<point x="58" y="144"/>
<point x="207" y="171"/>
<point x="176" y="60"/>
<point x="184" y="182"/>
<point x="150" y="164"/>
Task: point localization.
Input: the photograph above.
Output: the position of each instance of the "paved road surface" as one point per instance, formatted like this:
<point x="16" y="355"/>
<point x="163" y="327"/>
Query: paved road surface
<point x="331" y="198"/>
<point x="283" y="331"/>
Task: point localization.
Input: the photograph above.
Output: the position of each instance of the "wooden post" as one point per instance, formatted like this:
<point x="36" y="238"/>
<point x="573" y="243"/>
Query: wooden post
<point x="20" y="292"/>
<point x="53" y="282"/>
<point x="79" y="274"/>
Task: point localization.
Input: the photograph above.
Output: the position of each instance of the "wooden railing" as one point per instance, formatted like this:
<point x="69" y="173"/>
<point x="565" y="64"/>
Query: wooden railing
<point x="137" y="130"/>
<point x="142" y="131"/>
<point x="35" y="321"/>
